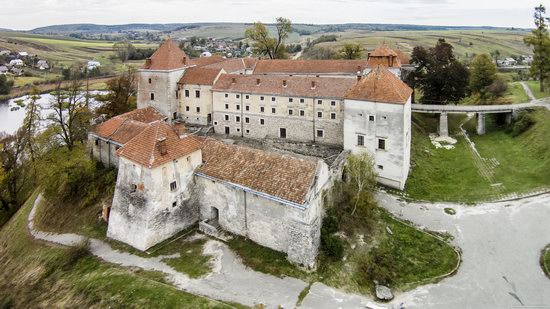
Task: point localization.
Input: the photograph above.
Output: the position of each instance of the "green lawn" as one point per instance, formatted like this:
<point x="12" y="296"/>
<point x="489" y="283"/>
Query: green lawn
<point x="545" y="261"/>
<point x="535" y="88"/>
<point x="515" y="94"/>
<point x="417" y="258"/>
<point x="37" y="275"/>
<point x="522" y="162"/>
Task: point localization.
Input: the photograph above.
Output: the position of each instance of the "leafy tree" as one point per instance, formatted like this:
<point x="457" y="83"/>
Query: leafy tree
<point x="15" y="170"/>
<point x="440" y="76"/>
<point x="495" y="54"/>
<point x="321" y="53"/>
<point x="483" y="74"/>
<point x="124" y="50"/>
<point x="5" y="84"/>
<point x="264" y="44"/>
<point x="351" y="51"/>
<point x="121" y="97"/>
<point x="540" y="41"/>
<point x="70" y="116"/>
<point x="360" y="180"/>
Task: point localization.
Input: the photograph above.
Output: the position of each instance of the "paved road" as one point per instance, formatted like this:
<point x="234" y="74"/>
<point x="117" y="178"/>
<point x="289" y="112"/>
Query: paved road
<point x="501" y="244"/>
<point x="528" y="91"/>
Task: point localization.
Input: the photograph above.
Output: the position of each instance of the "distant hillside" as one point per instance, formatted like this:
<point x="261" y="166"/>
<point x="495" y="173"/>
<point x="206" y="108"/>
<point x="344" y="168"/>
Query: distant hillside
<point x="304" y="29"/>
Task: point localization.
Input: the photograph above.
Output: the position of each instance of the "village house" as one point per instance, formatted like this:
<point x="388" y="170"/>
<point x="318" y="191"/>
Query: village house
<point x="3" y="69"/>
<point x="17" y="63"/>
<point x="42" y="65"/>
<point x="170" y="179"/>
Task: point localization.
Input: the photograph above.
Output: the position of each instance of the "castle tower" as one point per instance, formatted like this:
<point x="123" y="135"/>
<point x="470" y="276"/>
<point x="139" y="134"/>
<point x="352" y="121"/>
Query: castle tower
<point x="158" y="79"/>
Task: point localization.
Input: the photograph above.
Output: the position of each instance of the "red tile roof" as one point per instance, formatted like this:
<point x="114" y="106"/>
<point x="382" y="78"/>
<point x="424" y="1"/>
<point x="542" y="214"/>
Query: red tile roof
<point x="167" y="57"/>
<point x="383" y="55"/>
<point x="403" y="57"/>
<point x="146" y="148"/>
<point x="380" y="85"/>
<point x="310" y="67"/>
<point x="234" y="65"/>
<point x="123" y="128"/>
<point x="281" y="176"/>
<point x="299" y="86"/>
<point x="200" y="76"/>
<point x="383" y="51"/>
<point x="203" y="61"/>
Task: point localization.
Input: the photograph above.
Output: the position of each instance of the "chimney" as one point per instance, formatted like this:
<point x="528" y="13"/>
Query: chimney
<point x="257" y="81"/>
<point x="233" y="80"/>
<point x="148" y="62"/>
<point x="284" y="82"/>
<point x="161" y="146"/>
<point x="312" y="84"/>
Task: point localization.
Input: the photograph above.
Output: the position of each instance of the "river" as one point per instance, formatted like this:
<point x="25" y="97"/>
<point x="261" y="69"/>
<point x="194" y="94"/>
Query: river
<point x="12" y="116"/>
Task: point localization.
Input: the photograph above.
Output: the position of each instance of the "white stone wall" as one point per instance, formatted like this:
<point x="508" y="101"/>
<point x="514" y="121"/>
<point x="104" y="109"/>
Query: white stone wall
<point x="103" y="151"/>
<point x="392" y="123"/>
<point x="154" y="212"/>
<point x="164" y="86"/>
<point x="188" y="104"/>
<point x="302" y="121"/>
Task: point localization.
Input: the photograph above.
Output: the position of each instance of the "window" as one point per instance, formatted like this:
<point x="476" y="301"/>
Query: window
<point x="247" y="131"/>
<point x="187" y="108"/>
<point x="262" y="122"/>
<point x="152" y="96"/>
<point x="273" y="110"/>
<point x="381" y="144"/>
<point x="150" y="81"/>
<point x="302" y="113"/>
<point x="282" y="132"/>
<point x="238" y="130"/>
<point x="319" y="102"/>
<point x="384" y="117"/>
<point x="380" y="167"/>
<point x="246" y="119"/>
<point x="133" y="188"/>
<point x="238" y="107"/>
<point x="174" y="204"/>
<point x="197" y="93"/>
<point x="227" y="130"/>
<point x="226" y="117"/>
<point x="237" y="119"/>
<point x="247" y="97"/>
<point x="177" y="94"/>
<point x="173" y="186"/>
<point x="320" y="133"/>
<point x="319" y="114"/>
<point x="97" y="141"/>
<point x="273" y="99"/>
<point x="302" y="100"/>
<point x="333" y="116"/>
<point x="215" y="123"/>
<point x="238" y="96"/>
<point x="332" y="103"/>
<point x="290" y="100"/>
<point x="247" y="108"/>
<point x="227" y="95"/>
<point x="226" y="106"/>
<point x="360" y="140"/>
<point x="290" y="112"/>
<point x="186" y="93"/>
<point x="261" y="98"/>
<point x="371" y="118"/>
<point x="198" y="109"/>
<point x="262" y="109"/>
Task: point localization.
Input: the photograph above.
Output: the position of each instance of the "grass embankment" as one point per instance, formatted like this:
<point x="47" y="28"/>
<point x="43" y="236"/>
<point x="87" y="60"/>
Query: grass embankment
<point x="514" y="95"/>
<point x="518" y="164"/>
<point x="39" y="275"/>
<point x="416" y="257"/>
<point x="535" y="88"/>
<point x="545" y="261"/>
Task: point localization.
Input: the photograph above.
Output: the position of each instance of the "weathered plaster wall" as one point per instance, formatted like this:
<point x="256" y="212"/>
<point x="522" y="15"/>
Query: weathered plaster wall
<point x="153" y="212"/>
<point x="103" y="151"/>
<point x="189" y="104"/>
<point x="164" y="86"/>
<point x="392" y="123"/>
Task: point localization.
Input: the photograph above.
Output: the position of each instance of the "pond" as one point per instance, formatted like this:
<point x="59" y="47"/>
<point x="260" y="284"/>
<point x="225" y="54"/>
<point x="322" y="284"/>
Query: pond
<point x="12" y="115"/>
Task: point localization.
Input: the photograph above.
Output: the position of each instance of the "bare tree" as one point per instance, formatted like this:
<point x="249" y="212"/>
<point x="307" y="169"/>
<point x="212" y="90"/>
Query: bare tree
<point x="360" y="177"/>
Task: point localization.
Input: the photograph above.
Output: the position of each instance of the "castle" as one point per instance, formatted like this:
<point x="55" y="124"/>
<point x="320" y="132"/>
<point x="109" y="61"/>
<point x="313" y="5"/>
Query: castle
<point x="171" y="176"/>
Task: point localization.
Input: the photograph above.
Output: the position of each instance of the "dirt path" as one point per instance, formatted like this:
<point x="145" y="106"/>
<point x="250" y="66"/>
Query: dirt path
<point x="528" y="91"/>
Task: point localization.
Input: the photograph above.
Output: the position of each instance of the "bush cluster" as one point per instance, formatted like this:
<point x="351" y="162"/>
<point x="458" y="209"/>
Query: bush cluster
<point x="331" y="244"/>
<point x="522" y="123"/>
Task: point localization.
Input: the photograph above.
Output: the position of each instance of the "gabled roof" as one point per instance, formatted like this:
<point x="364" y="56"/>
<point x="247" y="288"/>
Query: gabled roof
<point x="200" y="76"/>
<point x="123" y="128"/>
<point x="380" y="85"/>
<point x="383" y="51"/>
<point x="297" y="86"/>
<point x="167" y="57"/>
<point x="281" y="176"/>
<point x="383" y="55"/>
<point x="311" y="67"/>
<point x="146" y="148"/>
<point x="234" y="65"/>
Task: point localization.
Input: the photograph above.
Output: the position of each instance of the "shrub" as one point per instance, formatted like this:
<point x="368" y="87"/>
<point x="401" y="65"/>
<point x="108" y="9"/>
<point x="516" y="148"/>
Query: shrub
<point x="331" y="244"/>
<point x="522" y="123"/>
<point x="379" y="265"/>
<point x="498" y="88"/>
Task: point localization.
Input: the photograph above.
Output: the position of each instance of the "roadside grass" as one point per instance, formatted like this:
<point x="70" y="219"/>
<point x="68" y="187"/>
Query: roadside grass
<point x="417" y="258"/>
<point x="441" y="174"/>
<point x="545" y="260"/>
<point x="39" y="275"/>
<point x="514" y="95"/>
<point x="450" y="175"/>
<point x="535" y="88"/>
<point x="191" y="260"/>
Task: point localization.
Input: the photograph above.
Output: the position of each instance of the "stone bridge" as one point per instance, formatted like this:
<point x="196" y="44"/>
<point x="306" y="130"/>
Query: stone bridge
<point x="480" y="110"/>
